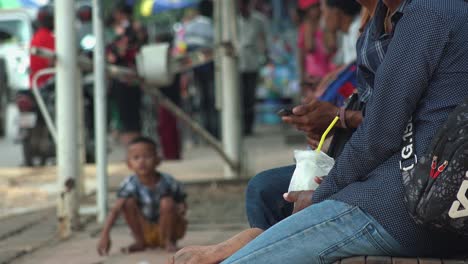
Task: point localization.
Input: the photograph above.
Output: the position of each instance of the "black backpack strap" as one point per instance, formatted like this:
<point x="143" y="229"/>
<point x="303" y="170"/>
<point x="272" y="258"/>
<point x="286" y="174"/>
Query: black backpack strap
<point x="408" y="155"/>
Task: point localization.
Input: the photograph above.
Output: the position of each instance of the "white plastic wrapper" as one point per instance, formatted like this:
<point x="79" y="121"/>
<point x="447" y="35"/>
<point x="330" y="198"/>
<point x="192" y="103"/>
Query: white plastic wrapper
<point x="309" y="164"/>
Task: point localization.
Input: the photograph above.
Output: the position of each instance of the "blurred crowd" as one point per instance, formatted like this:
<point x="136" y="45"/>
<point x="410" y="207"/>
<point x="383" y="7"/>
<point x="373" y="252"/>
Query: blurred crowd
<point x="282" y="57"/>
<point x="286" y="50"/>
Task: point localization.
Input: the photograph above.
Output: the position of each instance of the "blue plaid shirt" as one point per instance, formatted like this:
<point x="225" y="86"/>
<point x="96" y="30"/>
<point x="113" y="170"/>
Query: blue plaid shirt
<point x="424" y="75"/>
<point x="148" y="198"/>
<point x="371" y="47"/>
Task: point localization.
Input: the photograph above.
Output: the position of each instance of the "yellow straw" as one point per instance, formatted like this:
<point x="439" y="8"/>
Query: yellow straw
<point x="324" y="136"/>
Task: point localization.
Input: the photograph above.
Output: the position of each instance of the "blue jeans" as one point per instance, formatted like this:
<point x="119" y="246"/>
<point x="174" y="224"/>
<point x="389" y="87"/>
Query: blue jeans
<point x="321" y="233"/>
<point x="264" y="197"/>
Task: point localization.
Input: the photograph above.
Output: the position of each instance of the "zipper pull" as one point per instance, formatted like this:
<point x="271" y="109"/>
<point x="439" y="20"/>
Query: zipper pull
<point x="433" y="166"/>
<point x="440" y="169"/>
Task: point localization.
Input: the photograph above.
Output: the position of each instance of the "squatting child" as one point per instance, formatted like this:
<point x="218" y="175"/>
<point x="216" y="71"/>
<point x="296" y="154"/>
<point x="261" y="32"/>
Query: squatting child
<point x="152" y="203"/>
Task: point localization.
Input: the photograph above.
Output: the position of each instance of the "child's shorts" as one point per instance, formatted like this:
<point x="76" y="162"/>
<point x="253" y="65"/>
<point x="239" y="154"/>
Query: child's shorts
<point x="153" y="237"/>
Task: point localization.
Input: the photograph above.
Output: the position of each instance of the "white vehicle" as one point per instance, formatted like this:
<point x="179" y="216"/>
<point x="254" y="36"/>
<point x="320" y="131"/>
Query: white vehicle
<point x="14" y="52"/>
<point x="19" y="24"/>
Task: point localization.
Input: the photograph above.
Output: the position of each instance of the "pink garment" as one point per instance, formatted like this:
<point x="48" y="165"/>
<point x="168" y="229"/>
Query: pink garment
<point x="318" y="62"/>
<point x="304" y="4"/>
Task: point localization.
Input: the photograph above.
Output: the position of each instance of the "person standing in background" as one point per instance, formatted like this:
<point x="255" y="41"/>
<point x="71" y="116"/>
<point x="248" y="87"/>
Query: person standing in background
<point x="127" y="95"/>
<point x="252" y="39"/>
<point x="199" y="34"/>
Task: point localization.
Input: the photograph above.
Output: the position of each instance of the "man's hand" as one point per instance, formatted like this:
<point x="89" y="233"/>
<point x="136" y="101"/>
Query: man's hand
<point x="301" y="199"/>
<point x="313" y="140"/>
<point x="104" y="245"/>
<point x="312" y="117"/>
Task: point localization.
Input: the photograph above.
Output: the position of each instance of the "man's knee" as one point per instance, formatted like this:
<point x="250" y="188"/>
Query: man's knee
<point x="167" y="205"/>
<point x="258" y="185"/>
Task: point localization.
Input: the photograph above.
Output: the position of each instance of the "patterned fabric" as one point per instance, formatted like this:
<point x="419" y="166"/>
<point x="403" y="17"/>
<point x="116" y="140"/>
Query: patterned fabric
<point x="424" y="75"/>
<point x="372" y="46"/>
<point x="148" y="198"/>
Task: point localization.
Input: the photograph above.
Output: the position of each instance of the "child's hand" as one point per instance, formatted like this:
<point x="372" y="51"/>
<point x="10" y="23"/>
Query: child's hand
<point x="104" y="245"/>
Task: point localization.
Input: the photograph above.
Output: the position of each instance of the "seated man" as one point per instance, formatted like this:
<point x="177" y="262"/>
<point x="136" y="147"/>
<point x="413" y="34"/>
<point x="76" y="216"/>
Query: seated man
<point x="359" y="208"/>
<point x="153" y="203"/>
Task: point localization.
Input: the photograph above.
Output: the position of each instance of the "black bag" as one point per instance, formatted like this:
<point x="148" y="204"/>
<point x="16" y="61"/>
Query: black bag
<point x="436" y="184"/>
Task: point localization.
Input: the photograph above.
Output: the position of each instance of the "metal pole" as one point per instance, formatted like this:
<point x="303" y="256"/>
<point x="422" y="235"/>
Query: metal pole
<point x="100" y="110"/>
<point x="179" y="113"/>
<point x="231" y="115"/>
<point x="41" y="104"/>
<point x="67" y="118"/>
<point x="217" y="53"/>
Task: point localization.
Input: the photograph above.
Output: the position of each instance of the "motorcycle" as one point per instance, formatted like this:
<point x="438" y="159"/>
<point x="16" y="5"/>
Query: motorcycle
<point x="33" y="132"/>
<point x="34" y="135"/>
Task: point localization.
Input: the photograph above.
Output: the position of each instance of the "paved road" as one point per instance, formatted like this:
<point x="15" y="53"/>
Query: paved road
<point x="26" y="189"/>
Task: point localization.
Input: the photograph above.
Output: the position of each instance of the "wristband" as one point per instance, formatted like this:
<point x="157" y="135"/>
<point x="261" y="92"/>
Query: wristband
<point x="343" y="117"/>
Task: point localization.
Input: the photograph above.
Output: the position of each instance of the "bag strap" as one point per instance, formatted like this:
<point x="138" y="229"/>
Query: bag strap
<point x="408" y="155"/>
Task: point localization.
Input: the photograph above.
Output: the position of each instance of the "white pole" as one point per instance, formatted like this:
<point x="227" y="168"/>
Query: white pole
<point x="100" y="118"/>
<point x="217" y="20"/>
<point x="67" y="118"/>
<point x="231" y="114"/>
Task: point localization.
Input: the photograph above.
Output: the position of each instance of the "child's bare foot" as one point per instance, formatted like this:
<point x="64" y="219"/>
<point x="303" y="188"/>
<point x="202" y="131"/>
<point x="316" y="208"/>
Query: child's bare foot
<point x="133" y="248"/>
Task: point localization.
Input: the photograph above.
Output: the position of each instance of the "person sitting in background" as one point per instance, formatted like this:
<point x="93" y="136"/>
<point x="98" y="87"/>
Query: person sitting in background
<point x="152" y="203"/>
<point x="343" y="17"/>
<point x="314" y="58"/>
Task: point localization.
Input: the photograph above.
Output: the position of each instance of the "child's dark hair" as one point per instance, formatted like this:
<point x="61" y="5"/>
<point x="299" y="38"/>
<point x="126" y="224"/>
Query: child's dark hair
<point x="144" y="140"/>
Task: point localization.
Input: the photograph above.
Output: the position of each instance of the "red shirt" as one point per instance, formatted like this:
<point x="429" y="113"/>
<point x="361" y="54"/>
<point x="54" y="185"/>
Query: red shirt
<point x="43" y="38"/>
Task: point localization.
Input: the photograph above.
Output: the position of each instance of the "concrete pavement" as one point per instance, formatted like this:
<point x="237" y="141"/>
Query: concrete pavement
<point x="19" y="186"/>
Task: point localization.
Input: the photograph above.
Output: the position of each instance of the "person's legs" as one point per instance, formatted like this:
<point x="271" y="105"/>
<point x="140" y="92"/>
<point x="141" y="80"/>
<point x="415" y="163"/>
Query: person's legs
<point x="265" y="204"/>
<point x="167" y="217"/>
<point x="134" y="219"/>
<point x="321" y="233"/>
<point x="169" y="135"/>
<point x="215" y="253"/>
<point x="204" y="78"/>
<point x="129" y="105"/>
<point x="249" y="87"/>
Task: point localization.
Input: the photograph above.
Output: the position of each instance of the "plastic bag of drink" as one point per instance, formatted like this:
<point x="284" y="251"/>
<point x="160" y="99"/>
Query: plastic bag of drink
<point x="309" y="164"/>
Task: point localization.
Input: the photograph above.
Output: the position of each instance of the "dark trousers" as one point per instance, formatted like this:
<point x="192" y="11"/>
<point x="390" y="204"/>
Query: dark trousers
<point x="128" y="100"/>
<point x="204" y="78"/>
<point x="169" y="135"/>
<point x="249" y="88"/>
<point x="265" y="204"/>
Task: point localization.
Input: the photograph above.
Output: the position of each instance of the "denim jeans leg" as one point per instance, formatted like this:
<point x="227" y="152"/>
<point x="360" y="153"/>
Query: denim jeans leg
<point x="321" y="233"/>
<point x="265" y="204"/>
